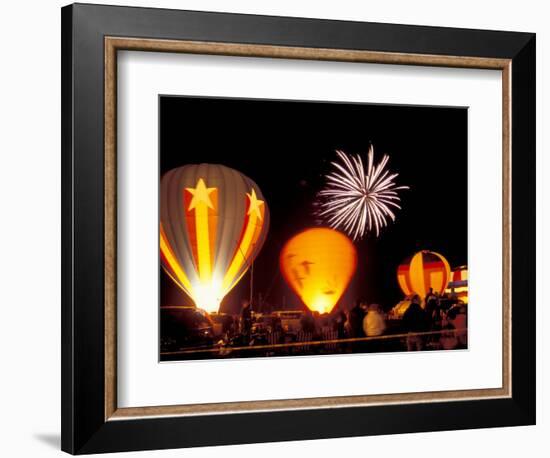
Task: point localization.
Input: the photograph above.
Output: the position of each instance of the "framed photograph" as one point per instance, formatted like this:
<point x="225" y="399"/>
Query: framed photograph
<point x="281" y="228"/>
<point x="280" y="266"/>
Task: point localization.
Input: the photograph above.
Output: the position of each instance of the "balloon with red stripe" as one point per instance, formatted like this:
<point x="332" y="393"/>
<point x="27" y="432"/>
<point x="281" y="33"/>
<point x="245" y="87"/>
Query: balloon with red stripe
<point x="458" y="284"/>
<point x="213" y="223"/>
<point x="422" y="271"/>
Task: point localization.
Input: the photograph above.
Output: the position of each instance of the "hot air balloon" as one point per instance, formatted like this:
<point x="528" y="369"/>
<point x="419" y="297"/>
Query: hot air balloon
<point x="422" y="271"/>
<point x="318" y="264"/>
<point x="213" y="222"/>
<point x="458" y="283"/>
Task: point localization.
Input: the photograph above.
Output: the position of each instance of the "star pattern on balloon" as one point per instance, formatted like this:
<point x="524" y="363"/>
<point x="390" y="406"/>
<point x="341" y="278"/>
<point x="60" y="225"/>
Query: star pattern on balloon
<point x="201" y="194"/>
<point x="255" y="204"/>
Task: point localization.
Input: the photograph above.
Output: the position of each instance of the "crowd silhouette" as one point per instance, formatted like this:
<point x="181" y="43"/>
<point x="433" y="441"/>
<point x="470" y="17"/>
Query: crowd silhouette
<point x="435" y="322"/>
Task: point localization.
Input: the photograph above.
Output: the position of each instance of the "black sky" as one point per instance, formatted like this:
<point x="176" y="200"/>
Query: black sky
<point x="286" y="147"/>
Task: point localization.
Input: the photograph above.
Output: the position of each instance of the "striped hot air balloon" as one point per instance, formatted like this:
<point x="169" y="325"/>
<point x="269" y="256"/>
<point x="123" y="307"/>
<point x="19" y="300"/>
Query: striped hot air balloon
<point x="422" y="271"/>
<point x="213" y="222"/>
<point x="458" y="284"/>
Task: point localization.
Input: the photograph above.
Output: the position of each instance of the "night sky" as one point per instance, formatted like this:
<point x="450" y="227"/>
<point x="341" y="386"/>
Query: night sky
<point x="286" y="147"/>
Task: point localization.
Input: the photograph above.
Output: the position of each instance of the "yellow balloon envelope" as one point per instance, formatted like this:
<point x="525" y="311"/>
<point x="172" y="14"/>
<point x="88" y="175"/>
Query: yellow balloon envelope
<point x="318" y="264"/>
<point x="422" y="271"/>
<point x="213" y="222"/>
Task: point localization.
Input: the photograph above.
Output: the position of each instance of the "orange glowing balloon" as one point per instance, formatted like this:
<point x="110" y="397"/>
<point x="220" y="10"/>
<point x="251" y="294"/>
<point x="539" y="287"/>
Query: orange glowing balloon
<point x="318" y="264"/>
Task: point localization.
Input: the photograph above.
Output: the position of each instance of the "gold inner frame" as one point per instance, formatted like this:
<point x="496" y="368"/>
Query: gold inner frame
<point x="114" y="44"/>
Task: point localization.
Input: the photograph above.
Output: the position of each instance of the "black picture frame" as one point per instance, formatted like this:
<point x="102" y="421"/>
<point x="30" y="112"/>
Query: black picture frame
<point x="84" y="427"/>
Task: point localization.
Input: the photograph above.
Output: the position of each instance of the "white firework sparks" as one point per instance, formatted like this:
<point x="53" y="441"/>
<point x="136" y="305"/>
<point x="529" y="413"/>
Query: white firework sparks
<point x="358" y="200"/>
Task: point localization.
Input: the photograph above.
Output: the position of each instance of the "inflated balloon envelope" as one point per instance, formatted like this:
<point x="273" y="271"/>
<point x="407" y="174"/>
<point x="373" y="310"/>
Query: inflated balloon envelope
<point x="422" y="271"/>
<point x="213" y="223"/>
<point x="318" y="264"/>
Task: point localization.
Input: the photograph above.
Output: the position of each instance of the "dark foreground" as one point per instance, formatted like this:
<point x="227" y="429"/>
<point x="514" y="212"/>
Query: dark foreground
<point x="306" y="344"/>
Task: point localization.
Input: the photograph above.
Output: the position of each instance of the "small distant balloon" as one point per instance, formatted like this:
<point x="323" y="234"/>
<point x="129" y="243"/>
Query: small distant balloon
<point x="318" y="265"/>
<point x="458" y="284"/>
<point x="213" y="223"/>
<point x="422" y="271"/>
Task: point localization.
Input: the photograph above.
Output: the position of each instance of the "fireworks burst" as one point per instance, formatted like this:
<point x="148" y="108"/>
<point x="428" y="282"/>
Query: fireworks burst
<point x="358" y="200"/>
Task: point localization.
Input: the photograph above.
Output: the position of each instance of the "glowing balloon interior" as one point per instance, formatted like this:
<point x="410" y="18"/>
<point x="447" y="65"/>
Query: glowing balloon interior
<point x="213" y="222"/>
<point x="422" y="271"/>
<point x="318" y="264"/>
